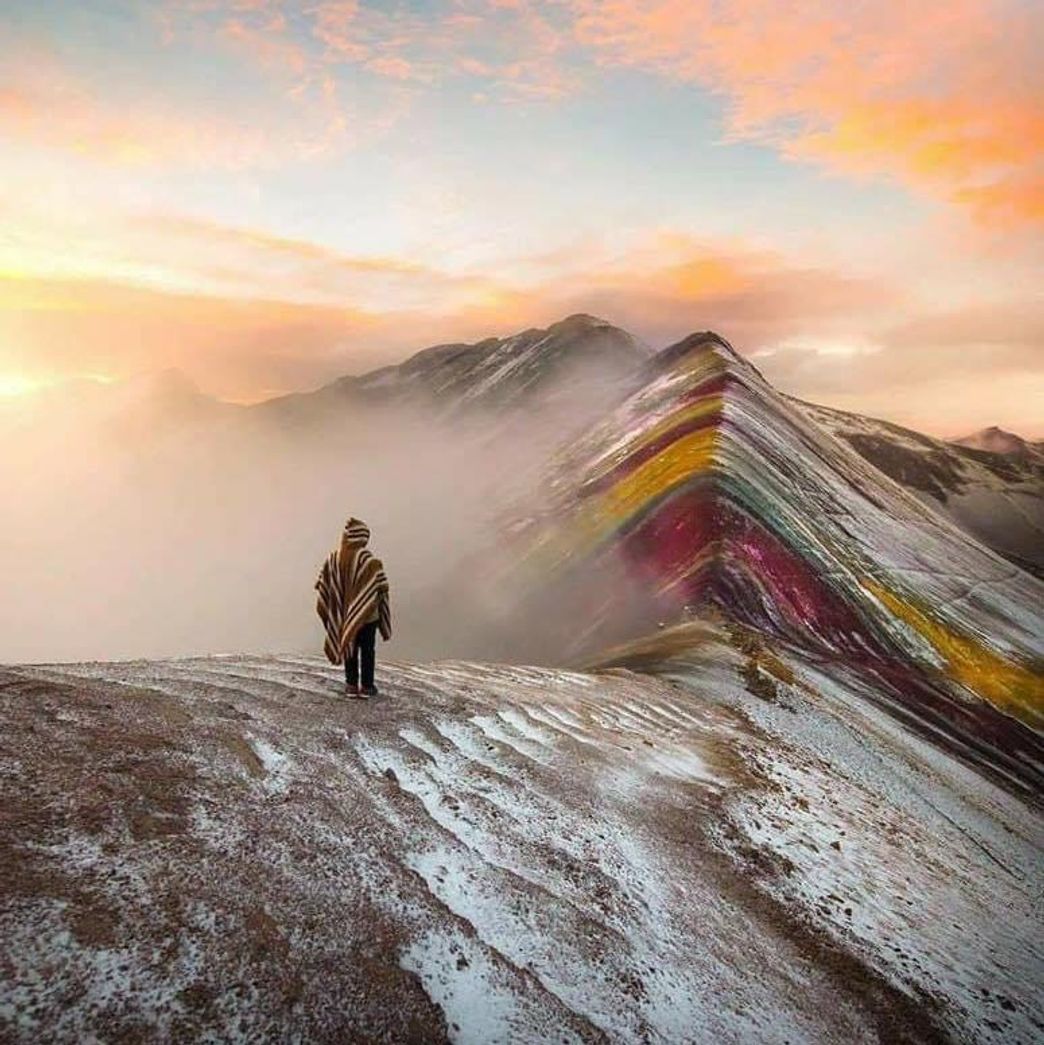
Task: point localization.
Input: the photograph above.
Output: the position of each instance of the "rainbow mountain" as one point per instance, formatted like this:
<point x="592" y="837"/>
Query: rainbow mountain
<point x="225" y="848"/>
<point x="707" y="493"/>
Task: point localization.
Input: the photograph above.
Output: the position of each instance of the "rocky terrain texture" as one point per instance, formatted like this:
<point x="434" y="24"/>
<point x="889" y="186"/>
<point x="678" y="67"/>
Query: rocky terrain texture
<point x="737" y="847"/>
<point x="793" y="795"/>
<point x="991" y="484"/>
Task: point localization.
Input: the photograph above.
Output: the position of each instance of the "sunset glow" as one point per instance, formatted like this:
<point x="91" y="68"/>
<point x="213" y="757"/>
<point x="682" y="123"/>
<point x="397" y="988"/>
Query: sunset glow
<point x="270" y="194"/>
<point x="18" y="384"/>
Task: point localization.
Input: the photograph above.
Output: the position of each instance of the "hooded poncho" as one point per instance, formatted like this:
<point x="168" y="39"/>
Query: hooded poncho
<point x="353" y="590"/>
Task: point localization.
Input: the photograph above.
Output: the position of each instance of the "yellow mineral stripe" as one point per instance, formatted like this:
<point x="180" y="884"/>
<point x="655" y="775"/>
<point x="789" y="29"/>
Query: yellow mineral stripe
<point x="707" y="406"/>
<point x="596" y="518"/>
<point x="1010" y="686"/>
<point x="674" y="465"/>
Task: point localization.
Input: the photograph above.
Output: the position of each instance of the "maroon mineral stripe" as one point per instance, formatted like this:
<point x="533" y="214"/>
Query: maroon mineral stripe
<point x="711" y="385"/>
<point x="679" y="530"/>
<point x="674" y="533"/>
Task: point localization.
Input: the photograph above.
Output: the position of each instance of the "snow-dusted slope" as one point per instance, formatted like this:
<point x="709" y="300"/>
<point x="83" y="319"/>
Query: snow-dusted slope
<point x="708" y="488"/>
<point x="581" y="359"/>
<point x="226" y="849"/>
<point x="500" y="371"/>
<point x="996" y="496"/>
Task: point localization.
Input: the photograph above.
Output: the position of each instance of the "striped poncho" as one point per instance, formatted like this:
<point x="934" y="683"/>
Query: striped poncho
<point x="353" y="590"/>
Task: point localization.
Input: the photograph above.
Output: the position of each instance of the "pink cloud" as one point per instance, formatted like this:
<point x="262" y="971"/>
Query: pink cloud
<point x="944" y="98"/>
<point x="46" y="106"/>
<point x="513" y="45"/>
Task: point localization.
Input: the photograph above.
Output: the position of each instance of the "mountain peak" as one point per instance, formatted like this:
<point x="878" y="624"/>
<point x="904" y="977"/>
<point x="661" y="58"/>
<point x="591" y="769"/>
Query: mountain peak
<point x="706" y="490"/>
<point x="497" y="371"/>
<point x="994" y="439"/>
<point x="699" y="342"/>
<point x="579" y="321"/>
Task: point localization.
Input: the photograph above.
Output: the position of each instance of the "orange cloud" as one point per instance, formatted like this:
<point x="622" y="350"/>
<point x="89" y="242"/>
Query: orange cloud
<point x="237" y="348"/>
<point x="229" y="259"/>
<point x="43" y="105"/>
<point x="209" y="234"/>
<point x="266" y="41"/>
<point x="298" y="111"/>
<point x="246" y="347"/>
<point x="946" y="98"/>
<point x="676" y="284"/>
<point x="393" y="68"/>
<point x="943" y="98"/>
<point x="188" y="254"/>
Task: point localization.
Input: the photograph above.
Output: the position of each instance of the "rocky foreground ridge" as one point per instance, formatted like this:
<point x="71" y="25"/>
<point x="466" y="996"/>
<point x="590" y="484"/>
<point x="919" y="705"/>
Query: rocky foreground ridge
<point x="795" y="796"/>
<point x="737" y="848"/>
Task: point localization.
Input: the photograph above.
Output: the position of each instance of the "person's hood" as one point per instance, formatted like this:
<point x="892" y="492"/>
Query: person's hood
<point x="356" y="533"/>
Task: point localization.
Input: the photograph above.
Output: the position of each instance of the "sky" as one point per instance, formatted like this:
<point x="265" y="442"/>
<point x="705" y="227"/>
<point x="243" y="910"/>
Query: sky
<point x="268" y="194"/>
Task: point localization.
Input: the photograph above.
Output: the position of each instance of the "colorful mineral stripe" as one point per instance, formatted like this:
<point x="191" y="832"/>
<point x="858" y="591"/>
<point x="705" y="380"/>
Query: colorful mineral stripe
<point x="707" y="488"/>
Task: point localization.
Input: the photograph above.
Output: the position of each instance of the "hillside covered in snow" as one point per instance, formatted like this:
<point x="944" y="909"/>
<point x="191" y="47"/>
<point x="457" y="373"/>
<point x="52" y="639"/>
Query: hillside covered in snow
<point x="990" y="484"/>
<point x="751" y="746"/>
<point x="738" y="847"/>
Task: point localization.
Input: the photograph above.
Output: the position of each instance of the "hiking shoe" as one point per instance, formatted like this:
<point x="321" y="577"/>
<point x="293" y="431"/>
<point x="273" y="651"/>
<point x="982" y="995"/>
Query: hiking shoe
<point x="351" y="691"/>
<point x="368" y="691"/>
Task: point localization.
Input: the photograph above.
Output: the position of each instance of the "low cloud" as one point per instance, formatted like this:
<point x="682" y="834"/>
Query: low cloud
<point x="856" y="342"/>
<point x="948" y="373"/>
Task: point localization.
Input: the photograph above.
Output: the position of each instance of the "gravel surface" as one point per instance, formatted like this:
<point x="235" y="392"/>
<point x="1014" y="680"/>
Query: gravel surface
<point x="229" y="849"/>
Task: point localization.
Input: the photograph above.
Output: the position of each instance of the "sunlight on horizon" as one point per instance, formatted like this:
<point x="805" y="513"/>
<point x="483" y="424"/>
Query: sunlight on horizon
<point x="16" y="386"/>
<point x="346" y="187"/>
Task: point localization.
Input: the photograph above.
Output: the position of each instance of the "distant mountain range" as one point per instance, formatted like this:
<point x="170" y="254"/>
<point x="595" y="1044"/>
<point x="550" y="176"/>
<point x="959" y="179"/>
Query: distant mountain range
<point x="545" y="385"/>
<point x="997" y="441"/>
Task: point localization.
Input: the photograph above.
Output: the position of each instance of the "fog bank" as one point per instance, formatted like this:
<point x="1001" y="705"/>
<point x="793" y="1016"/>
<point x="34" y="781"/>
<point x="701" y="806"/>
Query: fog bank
<point x="138" y="524"/>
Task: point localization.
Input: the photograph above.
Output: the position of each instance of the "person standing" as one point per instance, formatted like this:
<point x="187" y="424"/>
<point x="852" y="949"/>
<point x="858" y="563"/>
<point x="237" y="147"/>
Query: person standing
<point x="354" y="605"/>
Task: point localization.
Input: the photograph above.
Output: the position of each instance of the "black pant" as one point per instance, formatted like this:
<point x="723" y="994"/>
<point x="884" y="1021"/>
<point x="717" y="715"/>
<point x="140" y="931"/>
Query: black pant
<point x="366" y="650"/>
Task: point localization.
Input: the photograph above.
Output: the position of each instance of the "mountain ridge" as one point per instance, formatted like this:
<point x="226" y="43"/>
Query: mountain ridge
<point x="706" y="488"/>
<point x="995" y="439"/>
<point x="997" y="498"/>
<point x="492" y="373"/>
